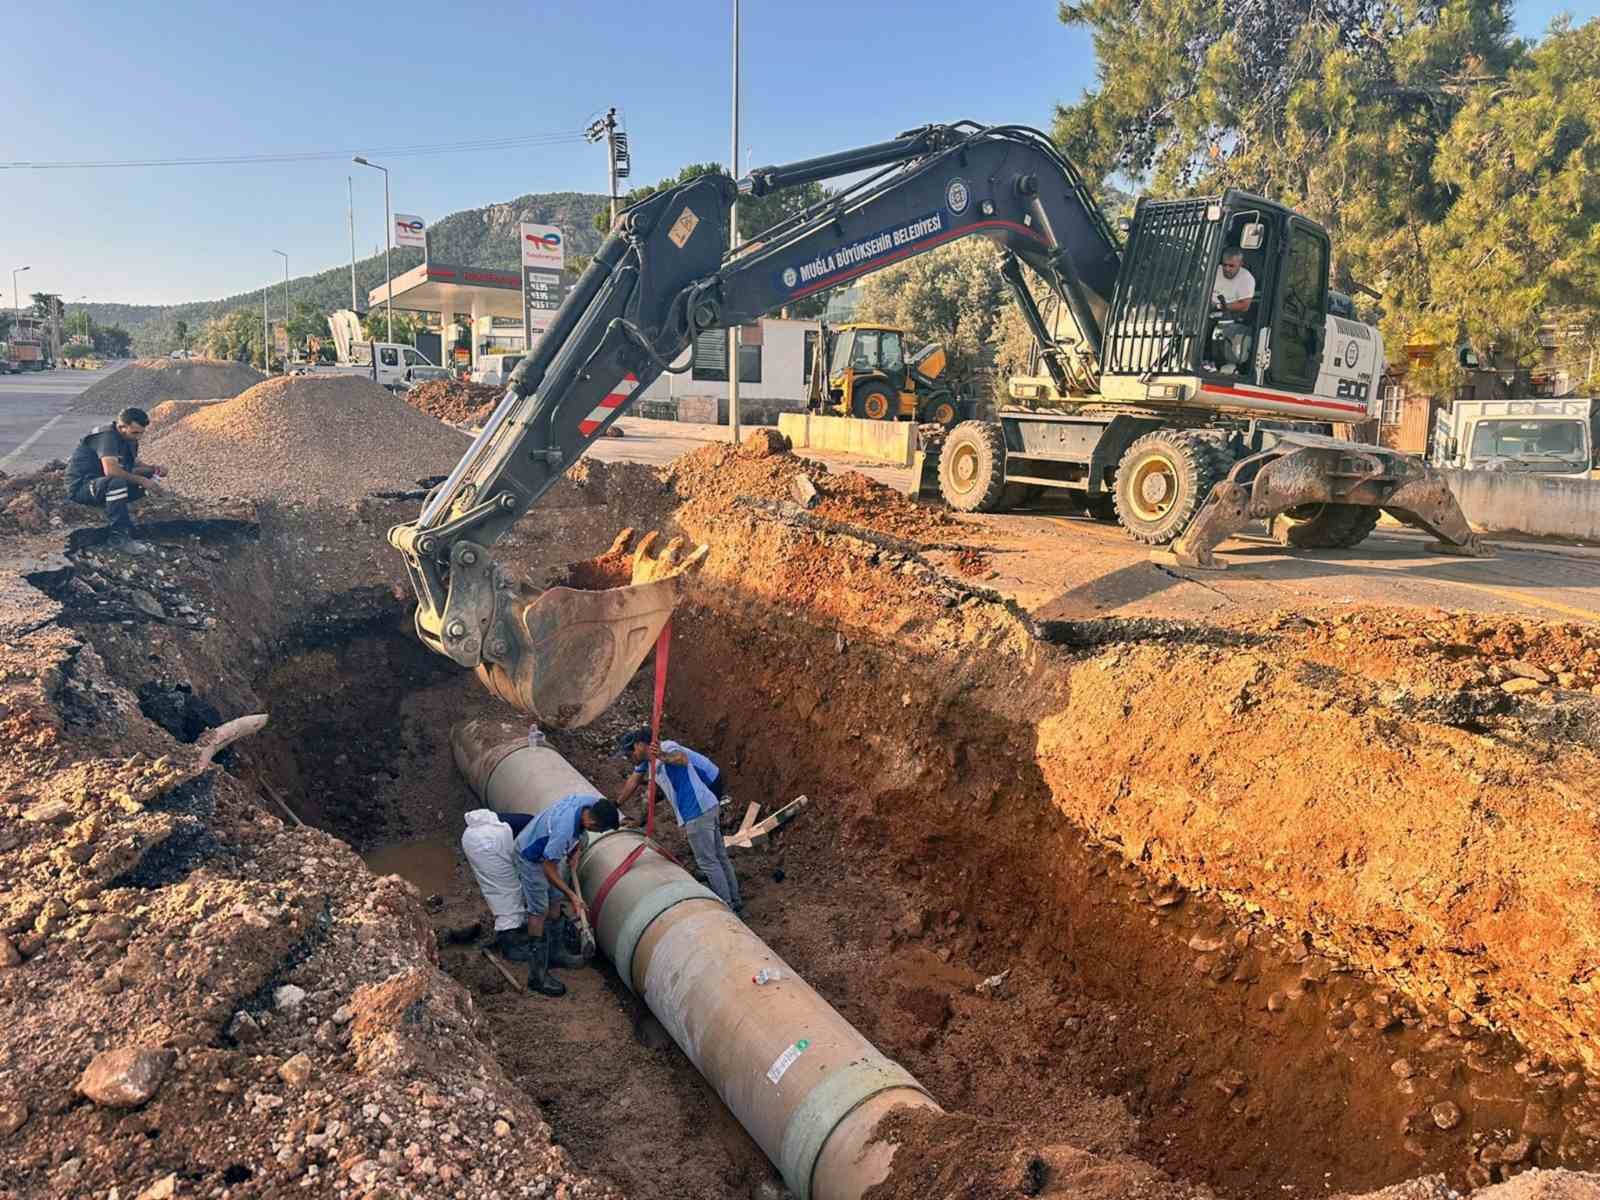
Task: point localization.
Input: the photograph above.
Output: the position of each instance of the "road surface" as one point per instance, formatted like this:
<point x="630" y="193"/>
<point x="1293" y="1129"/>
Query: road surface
<point x="35" y="426"/>
<point x="1061" y="566"/>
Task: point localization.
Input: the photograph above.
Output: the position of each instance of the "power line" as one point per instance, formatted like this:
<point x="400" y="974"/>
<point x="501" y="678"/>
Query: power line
<point x="504" y="143"/>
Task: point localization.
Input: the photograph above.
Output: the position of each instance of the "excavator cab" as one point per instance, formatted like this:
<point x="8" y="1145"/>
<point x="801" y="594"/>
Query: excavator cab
<point x="1176" y="329"/>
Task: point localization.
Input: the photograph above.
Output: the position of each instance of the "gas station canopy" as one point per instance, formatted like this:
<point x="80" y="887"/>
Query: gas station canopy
<point x="441" y="288"/>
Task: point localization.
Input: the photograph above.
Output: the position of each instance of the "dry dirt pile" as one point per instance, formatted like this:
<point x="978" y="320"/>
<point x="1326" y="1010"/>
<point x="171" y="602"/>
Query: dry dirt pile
<point x="454" y="400"/>
<point x="711" y="477"/>
<point x="332" y="440"/>
<point x="170" y="412"/>
<point x="146" y="382"/>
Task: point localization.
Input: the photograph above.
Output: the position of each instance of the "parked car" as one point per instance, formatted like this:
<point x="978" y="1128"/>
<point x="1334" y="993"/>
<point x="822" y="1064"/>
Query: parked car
<point x="495" y="369"/>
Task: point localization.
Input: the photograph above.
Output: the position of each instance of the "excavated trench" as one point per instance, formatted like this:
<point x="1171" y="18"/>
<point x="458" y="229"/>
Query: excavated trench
<point x="1135" y="1018"/>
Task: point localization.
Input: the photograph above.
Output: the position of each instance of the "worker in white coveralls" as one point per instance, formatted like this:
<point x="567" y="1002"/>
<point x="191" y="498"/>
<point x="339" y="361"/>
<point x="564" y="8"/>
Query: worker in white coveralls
<point x="518" y="860"/>
<point x="693" y="785"/>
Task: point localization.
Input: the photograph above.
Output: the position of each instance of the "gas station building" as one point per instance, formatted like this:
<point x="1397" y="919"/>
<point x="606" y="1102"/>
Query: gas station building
<point x="493" y="298"/>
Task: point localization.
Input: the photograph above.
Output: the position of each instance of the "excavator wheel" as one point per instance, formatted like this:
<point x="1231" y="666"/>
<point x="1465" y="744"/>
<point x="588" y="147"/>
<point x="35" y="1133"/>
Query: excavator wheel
<point x="1162" y="481"/>
<point x="875" y="402"/>
<point x="1327" y="526"/>
<point x="972" y="467"/>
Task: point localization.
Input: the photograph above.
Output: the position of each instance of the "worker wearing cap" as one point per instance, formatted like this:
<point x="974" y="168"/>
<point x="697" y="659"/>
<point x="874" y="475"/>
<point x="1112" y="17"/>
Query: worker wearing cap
<point x="103" y="473"/>
<point x="543" y="848"/>
<point x="693" y="785"/>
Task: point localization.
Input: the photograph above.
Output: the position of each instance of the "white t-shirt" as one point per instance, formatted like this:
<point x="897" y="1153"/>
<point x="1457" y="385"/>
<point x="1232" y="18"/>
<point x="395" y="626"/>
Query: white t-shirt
<point x="1241" y="287"/>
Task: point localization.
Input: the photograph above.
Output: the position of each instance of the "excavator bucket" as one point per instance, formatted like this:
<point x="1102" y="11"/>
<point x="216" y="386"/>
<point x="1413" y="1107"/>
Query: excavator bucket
<point x="579" y="643"/>
<point x="1306" y="469"/>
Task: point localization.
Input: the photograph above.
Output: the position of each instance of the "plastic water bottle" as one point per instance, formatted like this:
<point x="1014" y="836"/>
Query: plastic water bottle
<point x="536" y="737"/>
<point x="766" y="975"/>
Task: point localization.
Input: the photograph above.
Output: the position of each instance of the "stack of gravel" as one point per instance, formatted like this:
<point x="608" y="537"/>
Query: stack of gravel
<point x="146" y="382"/>
<point x="334" y="440"/>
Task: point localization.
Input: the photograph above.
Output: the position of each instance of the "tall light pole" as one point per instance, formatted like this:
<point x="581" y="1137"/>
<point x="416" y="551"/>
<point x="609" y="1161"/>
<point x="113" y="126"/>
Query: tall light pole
<point x="16" y="296"/>
<point x="733" y="239"/>
<point x="388" y="238"/>
<point x="285" y="258"/>
<point x="266" y="333"/>
<point x="350" y="214"/>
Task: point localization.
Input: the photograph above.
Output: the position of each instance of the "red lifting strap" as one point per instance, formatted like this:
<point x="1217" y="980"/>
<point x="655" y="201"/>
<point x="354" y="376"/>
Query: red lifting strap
<point x="626" y="865"/>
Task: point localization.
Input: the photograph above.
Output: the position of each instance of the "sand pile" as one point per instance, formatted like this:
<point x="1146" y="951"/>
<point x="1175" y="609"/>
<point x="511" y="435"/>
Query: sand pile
<point x="146" y="382"/>
<point x="454" y="400"/>
<point x="334" y="439"/>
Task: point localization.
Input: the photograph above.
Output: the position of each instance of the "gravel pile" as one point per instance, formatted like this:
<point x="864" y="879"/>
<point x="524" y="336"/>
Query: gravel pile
<point x="454" y="400"/>
<point x="146" y="382"/>
<point x="331" y="440"/>
<point x="170" y="412"/>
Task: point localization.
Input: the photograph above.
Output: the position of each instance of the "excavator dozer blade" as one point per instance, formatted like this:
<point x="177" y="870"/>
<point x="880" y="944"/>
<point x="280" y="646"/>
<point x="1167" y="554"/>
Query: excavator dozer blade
<point x="1305" y="469"/>
<point x="579" y="643"/>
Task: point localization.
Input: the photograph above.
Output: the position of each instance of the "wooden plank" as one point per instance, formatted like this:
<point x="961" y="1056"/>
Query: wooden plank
<point x="746" y="838"/>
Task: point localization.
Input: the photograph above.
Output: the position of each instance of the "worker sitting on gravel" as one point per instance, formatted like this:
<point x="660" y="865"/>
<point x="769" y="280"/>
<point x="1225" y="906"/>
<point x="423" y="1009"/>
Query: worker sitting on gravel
<point x="544" y="847"/>
<point x="693" y="785"/>
<point x="103" y="473"/>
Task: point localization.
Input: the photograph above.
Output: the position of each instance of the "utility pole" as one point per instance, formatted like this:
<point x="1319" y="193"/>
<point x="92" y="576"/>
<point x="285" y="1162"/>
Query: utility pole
<point x="285" y="258"/>
<point x="350" y="215"/>
<point x="733" y="239"/>
<point x="266" y="333"/>
<point x="388" y="241"/>
<point x="619" y="163"/>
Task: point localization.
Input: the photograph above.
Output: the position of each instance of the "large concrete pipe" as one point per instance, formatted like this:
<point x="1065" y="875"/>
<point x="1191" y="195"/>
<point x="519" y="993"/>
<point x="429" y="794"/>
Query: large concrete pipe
<point x="800" y="1078"/>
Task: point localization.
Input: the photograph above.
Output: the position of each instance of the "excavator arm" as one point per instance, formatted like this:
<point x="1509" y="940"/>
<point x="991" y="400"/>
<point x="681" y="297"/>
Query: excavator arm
<point x="662" y="277"/>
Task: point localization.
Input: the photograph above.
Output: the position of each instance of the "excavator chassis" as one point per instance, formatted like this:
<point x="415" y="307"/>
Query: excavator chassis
<point x="1307" y="469"/>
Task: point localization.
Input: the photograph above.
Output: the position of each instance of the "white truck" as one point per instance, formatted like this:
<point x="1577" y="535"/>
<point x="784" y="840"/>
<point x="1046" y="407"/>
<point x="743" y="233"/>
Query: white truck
<point x="387" y="364"/>
<point x="495" y="369"/>
<point x="1525" y="437"/>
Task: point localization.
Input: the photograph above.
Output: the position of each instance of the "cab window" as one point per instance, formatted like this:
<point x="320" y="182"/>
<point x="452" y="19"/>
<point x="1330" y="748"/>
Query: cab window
<point x="413" y="359"/>
<point x="864" y="354"/>
<point x="389" y="356"/>
<point x="1302" y="297"/>
<point x="893" y="355"/>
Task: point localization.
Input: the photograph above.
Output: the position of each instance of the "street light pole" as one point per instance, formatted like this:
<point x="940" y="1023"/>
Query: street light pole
<point x="733" y="238"/>
<point x="16" y="297"/>
<point x="388" y="239"/>
<point x="350" y="214"/>
<point x="266" y="333"/>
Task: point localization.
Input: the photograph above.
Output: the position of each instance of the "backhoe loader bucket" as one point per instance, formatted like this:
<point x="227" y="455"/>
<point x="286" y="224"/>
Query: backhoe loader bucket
<point x="1306" y="469"/>
<point x="578" y="644"/>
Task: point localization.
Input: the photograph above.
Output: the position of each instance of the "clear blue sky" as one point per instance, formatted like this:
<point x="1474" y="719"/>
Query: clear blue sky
<point x="188" y="79"/>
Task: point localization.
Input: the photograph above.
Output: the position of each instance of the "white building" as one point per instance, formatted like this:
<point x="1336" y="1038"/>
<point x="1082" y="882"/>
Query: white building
<point x="774" y="362"/>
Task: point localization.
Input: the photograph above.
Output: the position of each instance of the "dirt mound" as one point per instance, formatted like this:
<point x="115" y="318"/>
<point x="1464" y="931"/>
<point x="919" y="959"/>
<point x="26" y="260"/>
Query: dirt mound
<point x="146" y="382"/>
<point x="713" y="475"/>
<point x="454" y="400"/>
<point x="170" y="412"/>
<point x="332" y="440"/>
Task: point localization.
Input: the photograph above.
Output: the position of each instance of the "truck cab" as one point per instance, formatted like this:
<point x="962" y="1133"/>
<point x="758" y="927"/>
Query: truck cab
<point x="1520" y="437"/>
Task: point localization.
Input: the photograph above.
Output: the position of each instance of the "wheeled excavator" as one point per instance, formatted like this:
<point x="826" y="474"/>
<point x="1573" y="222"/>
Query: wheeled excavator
<point x="1148" y="393"/>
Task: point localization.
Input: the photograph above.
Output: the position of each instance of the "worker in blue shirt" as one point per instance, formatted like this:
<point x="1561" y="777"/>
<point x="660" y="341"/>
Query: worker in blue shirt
<point x="693" y="786"/>
<point x="543" y="847"/>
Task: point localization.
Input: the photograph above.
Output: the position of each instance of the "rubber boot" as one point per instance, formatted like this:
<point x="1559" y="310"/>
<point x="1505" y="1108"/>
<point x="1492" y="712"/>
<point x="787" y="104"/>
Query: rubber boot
<point x="513" y="945"/>
<point x="539" y="978"/>
<point x="562" y="934"/>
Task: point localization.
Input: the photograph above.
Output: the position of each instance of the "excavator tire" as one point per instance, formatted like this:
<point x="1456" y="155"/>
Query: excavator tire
<point x="972" y="467"/>
<point x="1162" y="481"/>
<point x="875" y="402"/>
<point x="1327" y="526"/>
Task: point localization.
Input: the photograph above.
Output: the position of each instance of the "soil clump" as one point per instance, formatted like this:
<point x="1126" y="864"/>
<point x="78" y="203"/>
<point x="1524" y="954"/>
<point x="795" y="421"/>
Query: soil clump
<point x="455" y="401"/>
<point x="146" y="382"/>
<point x="331" y="440"/>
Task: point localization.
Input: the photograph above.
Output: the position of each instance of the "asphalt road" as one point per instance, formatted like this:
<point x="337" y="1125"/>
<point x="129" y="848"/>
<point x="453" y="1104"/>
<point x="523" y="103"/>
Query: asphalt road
<point x="35" y="426"/>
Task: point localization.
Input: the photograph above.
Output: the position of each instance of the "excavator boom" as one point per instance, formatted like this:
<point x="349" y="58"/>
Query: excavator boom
<point x="660" y="278"/>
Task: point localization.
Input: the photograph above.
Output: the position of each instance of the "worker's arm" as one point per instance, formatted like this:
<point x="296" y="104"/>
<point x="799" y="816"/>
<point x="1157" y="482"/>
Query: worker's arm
<point x="1239" y="306"/>
<point x="112" y="466"/>
<point x="676" y="757"/>
<point x="629" y="788"/>
<point x="552" y="872"/>
<point x="150" y="471"/>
